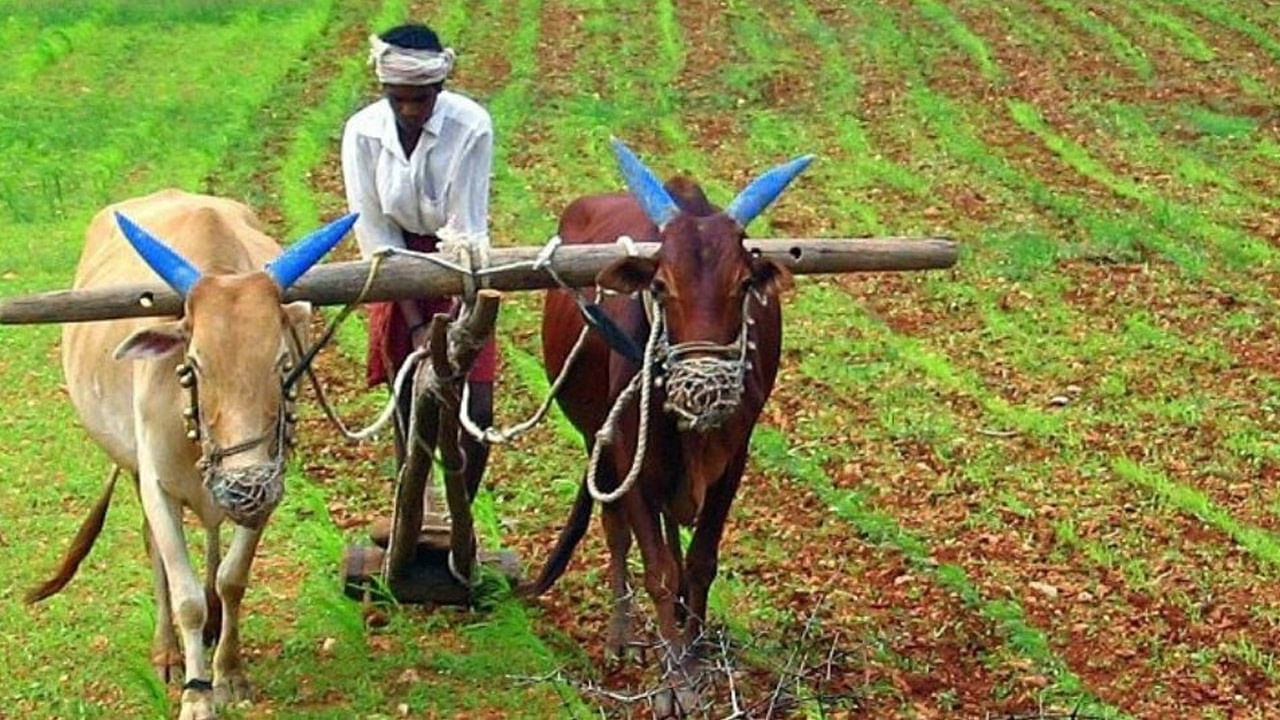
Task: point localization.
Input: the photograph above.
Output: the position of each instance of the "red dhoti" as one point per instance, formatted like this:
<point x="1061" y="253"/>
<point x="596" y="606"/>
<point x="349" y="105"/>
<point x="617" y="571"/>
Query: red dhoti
<point x="390" y="340"/>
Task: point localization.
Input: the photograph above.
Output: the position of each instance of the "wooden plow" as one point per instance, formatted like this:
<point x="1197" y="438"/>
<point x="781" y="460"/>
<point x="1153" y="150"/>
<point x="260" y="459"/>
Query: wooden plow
<point x="427" y="552"/>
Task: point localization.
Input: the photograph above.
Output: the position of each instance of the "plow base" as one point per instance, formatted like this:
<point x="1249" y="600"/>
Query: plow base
<point x="427" y="579"/>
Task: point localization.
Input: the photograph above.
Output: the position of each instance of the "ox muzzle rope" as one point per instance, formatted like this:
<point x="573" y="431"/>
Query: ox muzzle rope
<point x="704" y="384"/>
<point x="247" y="494"/>
<point x="704" y="380"/>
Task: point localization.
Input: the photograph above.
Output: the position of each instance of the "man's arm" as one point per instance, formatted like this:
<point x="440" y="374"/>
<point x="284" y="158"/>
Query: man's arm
<point x="374" y="229"/>
<point x="467" y="207"/>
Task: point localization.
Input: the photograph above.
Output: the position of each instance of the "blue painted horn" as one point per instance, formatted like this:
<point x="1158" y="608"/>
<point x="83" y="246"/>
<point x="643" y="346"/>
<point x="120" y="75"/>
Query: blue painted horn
<point x="300" y="256"/>
<point x="284" y="270"/>
<point x="762" y="191"/>
<point x="169" y="265"/>
<point x="644" y="186"/>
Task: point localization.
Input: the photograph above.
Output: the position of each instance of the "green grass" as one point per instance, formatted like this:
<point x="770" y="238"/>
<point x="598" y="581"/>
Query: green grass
<point x="144" y="128"/>
<point x="1120" y="45"/>
<point x="1066" y="689"/>
<point x="1115" y="239"/>
<point x="961" y="36"/>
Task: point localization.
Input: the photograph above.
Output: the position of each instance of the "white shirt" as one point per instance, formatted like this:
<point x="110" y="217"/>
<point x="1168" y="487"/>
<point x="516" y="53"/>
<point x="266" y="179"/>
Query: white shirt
<point x="445" y="181"/>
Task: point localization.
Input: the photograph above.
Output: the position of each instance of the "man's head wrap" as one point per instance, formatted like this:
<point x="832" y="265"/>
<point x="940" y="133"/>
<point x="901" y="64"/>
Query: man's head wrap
<point x="397" y="65"/>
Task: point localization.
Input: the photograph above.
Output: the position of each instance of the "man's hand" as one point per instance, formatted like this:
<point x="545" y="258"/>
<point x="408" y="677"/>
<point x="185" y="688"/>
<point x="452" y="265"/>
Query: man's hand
<point x="420" y="333"/>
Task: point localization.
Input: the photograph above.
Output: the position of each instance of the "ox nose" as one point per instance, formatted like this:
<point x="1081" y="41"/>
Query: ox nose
<point x="703" y="391"/>
<point x="248" y="494"/>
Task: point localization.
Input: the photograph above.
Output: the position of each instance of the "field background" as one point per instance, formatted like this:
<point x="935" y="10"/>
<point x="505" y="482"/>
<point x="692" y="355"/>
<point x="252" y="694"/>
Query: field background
<point x="1047" y="479"/>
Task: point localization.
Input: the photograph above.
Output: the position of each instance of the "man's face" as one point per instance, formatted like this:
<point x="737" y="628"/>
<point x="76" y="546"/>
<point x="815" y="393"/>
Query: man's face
<point x="412" y="104"/>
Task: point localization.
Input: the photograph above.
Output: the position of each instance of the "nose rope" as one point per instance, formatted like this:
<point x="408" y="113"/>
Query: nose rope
<point x="702" y="391"/>
<point x="705" y="380"/>
<point x="248" y="494"/>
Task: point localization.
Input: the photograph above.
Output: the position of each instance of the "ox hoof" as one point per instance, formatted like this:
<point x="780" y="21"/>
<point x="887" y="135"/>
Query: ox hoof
<point x="197" y="705"/>
<point x="168" y="666"/>
<point x="619" y="638"/>
<point x="681" y="697"/>
<point x="679" y="702"/>
<point x="232" y="688"/>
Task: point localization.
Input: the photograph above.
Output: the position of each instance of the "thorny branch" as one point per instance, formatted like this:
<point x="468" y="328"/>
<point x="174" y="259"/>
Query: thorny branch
<point x="734" y="680"/>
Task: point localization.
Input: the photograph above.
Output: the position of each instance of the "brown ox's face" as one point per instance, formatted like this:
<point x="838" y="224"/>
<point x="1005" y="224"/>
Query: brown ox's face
<point x="701" y="277"/>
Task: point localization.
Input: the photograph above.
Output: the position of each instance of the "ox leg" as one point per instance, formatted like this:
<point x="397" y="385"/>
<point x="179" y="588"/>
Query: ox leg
<point x="185" y="593"/>
<point x="672" y="529"/>
<point x="229" y="681"/>
<point x="704" y="552"/>
<point x="212" y="559"/>
<point x="618" y="536"/>
<point x="662" y="581"/>
<point x="166" y="658"/>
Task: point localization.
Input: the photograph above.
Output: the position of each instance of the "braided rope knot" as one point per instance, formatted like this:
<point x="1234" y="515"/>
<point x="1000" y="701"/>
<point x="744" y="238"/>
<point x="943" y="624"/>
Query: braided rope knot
<point x="703" y="391"/>
<point x="247" y="494"/>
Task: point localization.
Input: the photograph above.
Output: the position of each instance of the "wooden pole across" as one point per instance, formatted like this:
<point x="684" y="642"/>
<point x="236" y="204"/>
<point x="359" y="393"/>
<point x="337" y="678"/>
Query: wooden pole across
<point x="401" y="277"/>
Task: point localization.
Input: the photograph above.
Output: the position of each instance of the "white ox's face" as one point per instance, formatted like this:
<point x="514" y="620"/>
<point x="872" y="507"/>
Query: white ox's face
<point x="234" y="334"/>
<point x="235" y="338"/>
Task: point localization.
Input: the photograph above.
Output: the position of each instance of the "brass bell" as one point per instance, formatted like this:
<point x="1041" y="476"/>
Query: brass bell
<point x="187" y="380"/>
<point x="193" y="434"/>
<point x="292" y="392"/>
<point x="291" y="417"/>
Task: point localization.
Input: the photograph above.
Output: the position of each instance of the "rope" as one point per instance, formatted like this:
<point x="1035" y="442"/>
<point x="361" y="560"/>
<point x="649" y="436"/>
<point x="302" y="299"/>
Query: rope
<point x="545" y="262"/>
<point x="470" y="583"/>
<point x="322" y="397"/>
<point x="604" y="436"/>
<point x="496" y="436"/>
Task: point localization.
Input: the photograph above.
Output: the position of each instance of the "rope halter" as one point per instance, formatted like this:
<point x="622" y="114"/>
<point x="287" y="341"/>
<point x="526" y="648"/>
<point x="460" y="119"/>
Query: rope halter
<point x="247" y="494"/>
<point x="705" y="381"/>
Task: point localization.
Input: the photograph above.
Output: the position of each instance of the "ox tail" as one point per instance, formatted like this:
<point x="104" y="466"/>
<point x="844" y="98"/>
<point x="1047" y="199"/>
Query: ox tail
<point x="80" y="545"/>
<point x="574" y="529"/>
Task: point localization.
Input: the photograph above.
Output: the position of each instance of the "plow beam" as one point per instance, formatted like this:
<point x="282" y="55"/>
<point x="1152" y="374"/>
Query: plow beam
<point x="402" y="277"/>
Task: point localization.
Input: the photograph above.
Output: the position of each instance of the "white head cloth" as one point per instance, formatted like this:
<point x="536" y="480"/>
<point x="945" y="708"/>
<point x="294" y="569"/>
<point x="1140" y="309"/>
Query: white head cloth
<point x="405" y="66"/>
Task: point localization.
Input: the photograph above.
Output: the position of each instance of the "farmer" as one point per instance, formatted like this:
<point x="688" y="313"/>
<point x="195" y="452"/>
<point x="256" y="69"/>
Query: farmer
<point x="416" y="166"/>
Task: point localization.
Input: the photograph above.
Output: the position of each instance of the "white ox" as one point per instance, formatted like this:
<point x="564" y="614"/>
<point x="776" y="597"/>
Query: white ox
<point x="201" y="415"/>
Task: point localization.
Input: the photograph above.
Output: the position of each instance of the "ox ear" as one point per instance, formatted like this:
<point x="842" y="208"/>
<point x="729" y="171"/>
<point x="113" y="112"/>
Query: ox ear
<point x="762" y="191"/>
<point x="628" y="275"/>
<point x="653" y="198"/>
<point x="298" y="315"/>
<point x="770" y="277"/>
<point x="153" y="342"/>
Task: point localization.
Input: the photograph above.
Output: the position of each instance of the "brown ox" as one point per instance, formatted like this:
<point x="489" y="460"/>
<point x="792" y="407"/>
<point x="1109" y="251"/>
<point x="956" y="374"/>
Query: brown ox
<point x="715" y="355"/>
<point x="201" y="417"/>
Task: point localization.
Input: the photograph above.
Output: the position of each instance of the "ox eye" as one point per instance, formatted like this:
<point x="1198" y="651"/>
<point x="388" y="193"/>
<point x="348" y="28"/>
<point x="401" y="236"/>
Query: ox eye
<point x="658" y="287"/>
